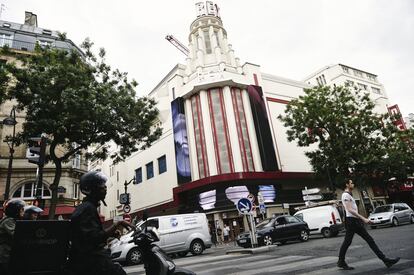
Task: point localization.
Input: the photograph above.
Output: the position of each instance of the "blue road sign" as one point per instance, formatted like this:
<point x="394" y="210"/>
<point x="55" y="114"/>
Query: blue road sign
<point x="262" y="208"/>
<point x="244" y="206"/>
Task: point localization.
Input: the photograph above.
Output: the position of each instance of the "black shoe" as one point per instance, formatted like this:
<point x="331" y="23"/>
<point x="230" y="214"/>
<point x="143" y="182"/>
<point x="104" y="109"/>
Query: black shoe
<point x="344" y="266"/>
<point x="390" y="262"/>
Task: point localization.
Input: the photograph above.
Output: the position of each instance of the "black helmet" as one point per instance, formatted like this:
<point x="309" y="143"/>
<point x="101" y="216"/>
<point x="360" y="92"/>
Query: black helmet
<point x="32" y="209"/>
<point x="90" y="181"/>
<point x="13" y="207"/>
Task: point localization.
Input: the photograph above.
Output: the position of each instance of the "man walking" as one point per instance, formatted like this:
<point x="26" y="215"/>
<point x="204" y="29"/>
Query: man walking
<point x="354" y="223"/>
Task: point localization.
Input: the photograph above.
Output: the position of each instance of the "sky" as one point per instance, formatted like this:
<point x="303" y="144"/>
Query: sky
<point x="288" y="38"/>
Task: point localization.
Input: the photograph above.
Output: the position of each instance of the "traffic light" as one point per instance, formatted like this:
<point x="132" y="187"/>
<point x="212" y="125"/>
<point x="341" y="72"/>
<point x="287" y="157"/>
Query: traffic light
<point x="37" y="150"/>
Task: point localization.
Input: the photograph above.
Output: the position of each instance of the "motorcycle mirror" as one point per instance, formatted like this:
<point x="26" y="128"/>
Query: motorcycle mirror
<point x="144" y="215"/>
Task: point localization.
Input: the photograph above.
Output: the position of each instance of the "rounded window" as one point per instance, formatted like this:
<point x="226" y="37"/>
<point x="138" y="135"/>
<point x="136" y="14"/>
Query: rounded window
<point x="28" y="191"/>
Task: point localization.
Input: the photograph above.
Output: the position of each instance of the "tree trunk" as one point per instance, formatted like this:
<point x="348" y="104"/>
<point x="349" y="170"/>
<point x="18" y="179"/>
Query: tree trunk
<point x="56" y="180"/>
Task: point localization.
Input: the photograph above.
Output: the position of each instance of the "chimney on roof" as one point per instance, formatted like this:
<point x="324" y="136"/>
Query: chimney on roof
<point x="30" y="19"/>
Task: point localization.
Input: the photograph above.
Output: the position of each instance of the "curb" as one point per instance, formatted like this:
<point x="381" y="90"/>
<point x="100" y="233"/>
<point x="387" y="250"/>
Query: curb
<point x="252" y="250"/>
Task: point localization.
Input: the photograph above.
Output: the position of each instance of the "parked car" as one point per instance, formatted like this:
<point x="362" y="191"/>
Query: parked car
<point x="178" y="234"/>
<point x="391" y="214"/>
<point x="324" y="220"/>
<point x="279" y="229"/>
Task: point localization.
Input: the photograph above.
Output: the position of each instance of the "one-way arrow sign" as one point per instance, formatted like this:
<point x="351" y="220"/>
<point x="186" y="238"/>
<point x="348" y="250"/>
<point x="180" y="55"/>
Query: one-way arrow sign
<point x="310" y="191"/>
<point x="244" y="206"/>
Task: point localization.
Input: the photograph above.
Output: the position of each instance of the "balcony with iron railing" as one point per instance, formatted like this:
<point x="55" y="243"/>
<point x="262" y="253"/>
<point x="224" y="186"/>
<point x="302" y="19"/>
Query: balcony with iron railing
<point x="26" y="46"/>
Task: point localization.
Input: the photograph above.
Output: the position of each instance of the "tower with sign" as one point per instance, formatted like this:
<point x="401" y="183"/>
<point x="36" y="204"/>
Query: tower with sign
<point x="208" y="45"/>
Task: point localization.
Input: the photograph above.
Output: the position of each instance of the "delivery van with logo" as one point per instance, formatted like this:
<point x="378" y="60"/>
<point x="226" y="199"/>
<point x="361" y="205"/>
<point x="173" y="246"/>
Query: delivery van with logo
<point x="180" y="234"/>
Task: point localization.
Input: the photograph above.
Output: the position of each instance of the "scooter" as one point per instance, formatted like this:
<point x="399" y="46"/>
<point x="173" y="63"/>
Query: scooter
<point x="156" y="261"/>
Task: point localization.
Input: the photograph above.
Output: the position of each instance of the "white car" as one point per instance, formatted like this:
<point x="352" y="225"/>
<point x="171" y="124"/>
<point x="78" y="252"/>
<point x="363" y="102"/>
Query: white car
<point x="178" y="234"/>
<point x="324" y="220"/>
<point x="391" y="214"/>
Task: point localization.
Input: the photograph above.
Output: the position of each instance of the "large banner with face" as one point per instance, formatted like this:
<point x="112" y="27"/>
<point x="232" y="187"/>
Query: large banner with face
<point x="182" y="158"/>
<point x="262" y="127"/>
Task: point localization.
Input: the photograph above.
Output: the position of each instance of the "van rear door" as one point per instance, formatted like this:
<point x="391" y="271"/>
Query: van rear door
<point x="172" y="233"/>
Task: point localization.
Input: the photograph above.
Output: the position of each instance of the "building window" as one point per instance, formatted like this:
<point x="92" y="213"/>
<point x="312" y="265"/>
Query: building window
<point x="6" y="39"/>
<point x="45" y="44"/>
<point x="207" y="41"/>
<point x="371" y="77"/>
<point x="28" y="191"/>
<point x="358" y="73"/>
<point x="111" y="170"/>
<point x="362" y="87"/>
<point x="150" y="170"/>
<point x="242" y="130"/>
<point x="75" y="191"/>
<point x="220" y="133"/>
<point x="202" y="161"/>
<point x="376" y="90"/>
<point x="117" y="176"/>
<point x="138" y="175"/>
<point x="349" y="83"/>
<point x="162" y="164"/>
<point x="345" y="69"/>
<point x="76" y="161"/>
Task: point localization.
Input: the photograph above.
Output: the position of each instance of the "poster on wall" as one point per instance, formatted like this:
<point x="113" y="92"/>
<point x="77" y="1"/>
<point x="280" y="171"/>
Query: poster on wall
<point x="182" y="158"/>
<point x="262" y="128"/>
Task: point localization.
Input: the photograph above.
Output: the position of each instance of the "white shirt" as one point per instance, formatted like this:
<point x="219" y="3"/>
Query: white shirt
<point x="226" y="231"/>
<point x="346" y="197"/>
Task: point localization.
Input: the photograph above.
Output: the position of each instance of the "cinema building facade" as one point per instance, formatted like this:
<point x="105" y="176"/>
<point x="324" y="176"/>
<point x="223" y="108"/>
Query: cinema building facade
<point x="222" y="138"/>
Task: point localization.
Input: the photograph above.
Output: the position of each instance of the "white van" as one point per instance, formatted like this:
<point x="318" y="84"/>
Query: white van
<point x="178" y="234"/>
<point x="324" y="220"/>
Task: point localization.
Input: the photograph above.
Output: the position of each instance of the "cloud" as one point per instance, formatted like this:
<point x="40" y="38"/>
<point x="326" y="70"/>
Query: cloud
<point x="287" y="38"/>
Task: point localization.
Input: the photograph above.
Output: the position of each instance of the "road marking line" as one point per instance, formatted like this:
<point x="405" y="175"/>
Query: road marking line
<point x="297" y="265"/>
<point x="258" y="264"/>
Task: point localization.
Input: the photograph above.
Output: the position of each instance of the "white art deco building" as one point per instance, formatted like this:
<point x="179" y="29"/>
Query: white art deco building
<point x="221" y="136"/>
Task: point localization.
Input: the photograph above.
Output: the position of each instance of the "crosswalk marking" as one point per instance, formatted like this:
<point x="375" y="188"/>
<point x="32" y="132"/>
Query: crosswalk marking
<point x="192" y="260"/>
<point x="255" y="264"/>
<point x="294" y="265"/>
<point x="277" y="264"/>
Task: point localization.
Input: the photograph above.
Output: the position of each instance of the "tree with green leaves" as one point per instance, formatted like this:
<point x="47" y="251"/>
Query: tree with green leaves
<point x="79" y="101"/>
<point x="345" y="137"/>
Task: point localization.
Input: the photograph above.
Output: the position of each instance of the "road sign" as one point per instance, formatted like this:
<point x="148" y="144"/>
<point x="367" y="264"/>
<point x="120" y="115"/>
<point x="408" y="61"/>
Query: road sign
<point x="262" y="208"/>
<point x="312" y="197"/>
<point x="244" y="206"/>
<point x="127" y="208"/>
<point x="310" y="191"/>
<point x="127" y="217"/>
<point x="124" y="198"/>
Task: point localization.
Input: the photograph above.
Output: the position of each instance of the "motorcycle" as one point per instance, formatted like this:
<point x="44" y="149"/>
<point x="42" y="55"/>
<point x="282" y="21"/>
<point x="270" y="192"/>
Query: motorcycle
<point x="156" y="261"/>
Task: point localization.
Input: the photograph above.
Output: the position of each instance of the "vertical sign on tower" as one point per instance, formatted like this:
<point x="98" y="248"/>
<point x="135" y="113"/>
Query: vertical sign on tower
<point x="182" y="157"/>
<point x="262" y="127"/>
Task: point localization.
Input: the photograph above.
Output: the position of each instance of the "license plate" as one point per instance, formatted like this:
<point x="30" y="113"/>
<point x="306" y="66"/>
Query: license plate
<point x="242" y="241"/>
<point x="377" y="221"/>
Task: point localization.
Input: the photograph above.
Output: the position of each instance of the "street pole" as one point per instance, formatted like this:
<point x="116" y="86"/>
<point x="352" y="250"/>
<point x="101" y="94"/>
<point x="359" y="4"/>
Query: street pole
<point x="10" y="121"/>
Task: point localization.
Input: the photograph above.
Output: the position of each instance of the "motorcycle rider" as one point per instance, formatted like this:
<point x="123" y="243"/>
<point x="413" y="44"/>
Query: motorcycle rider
<point x="87" y="254"/>
<point x="14" y="210"/>
<point x="32" y="212"/>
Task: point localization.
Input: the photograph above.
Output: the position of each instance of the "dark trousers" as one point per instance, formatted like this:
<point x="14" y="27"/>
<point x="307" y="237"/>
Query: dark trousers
<point x="352" y="226"/>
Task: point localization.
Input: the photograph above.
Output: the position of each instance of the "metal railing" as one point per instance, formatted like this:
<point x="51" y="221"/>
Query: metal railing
<point x="30" y="46"/>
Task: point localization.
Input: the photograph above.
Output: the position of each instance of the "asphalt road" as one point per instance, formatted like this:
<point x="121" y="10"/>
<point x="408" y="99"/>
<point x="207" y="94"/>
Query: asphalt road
<point x="317" y="256"/>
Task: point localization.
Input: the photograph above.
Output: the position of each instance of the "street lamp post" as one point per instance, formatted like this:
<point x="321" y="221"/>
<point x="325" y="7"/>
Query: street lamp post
<point x="10" y="121"/>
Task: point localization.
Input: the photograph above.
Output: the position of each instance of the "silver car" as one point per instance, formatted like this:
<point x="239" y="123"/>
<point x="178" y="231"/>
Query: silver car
<point x="391" y="214"/>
